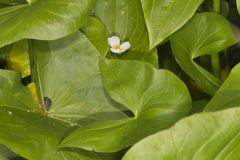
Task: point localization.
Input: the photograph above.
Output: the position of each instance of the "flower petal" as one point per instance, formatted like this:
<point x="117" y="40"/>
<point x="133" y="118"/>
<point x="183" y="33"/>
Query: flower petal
<point x="118" y="51"/>
<point x="113" y="41"/>
<point x="125" y="46"/>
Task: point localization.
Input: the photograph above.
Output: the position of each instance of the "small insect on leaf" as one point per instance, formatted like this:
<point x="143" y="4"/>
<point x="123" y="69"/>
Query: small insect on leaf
<point x="47" y="103"/>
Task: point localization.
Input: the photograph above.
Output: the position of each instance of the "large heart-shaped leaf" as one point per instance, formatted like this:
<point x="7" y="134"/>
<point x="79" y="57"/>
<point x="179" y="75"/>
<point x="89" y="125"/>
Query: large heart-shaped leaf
<point x="195" y="135"/>
<point x="205" y="136"/>
<point x="43" y="19"/>
<point x="228" y="94"/>
<point x="164" y="17"/>
<point x="125" y="19"/>
<point x="67" y="72"/>
<point x="157" y="98"/>
<point x="205" y="34"/>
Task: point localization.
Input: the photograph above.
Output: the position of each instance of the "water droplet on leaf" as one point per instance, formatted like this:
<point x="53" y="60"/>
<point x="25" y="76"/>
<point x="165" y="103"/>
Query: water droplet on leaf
<point x="73" y="124"/>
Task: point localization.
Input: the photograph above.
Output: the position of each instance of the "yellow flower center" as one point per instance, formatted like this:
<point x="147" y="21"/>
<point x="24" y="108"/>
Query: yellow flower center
<point x="117" y="47"/>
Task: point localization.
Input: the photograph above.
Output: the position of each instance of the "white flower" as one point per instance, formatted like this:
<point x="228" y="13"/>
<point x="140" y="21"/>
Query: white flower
<point x="116" y="46"/>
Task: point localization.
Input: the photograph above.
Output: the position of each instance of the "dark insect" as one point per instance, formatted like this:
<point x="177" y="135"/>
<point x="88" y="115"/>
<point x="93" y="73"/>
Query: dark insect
<point x="47" y="103"/>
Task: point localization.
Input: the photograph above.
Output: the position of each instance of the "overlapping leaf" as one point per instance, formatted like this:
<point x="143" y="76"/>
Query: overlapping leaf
<point x="97" y="34"/>
<point x="157" y="98"/>
<point x="205" y="34"/>
<point x="228" y="94"/>
<point x="42" y="19"/>
<point x="164" y="17"/>
<point x="124" y="18"/>
<point x="67" y="72"/>
<point x="205" y="136"/>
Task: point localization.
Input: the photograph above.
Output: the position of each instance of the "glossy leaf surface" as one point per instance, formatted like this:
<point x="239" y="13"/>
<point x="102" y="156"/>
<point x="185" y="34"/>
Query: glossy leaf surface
<point x="97" y="34"/>
<point x="228" y="94"/>
<point x="157" y="98"/>
<point x="164" y="17"/>
<point x="34" y="133"/>
<point x="204" y="136"/>
<point x="67" y="72"/>
<point x="23" y="127"/>
<point x="42" y="19"/>
<point x="205" y="34"/>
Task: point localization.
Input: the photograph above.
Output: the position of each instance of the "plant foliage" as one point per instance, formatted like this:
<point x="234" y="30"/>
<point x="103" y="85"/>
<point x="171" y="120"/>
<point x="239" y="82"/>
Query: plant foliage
<point x="119" y="79"/>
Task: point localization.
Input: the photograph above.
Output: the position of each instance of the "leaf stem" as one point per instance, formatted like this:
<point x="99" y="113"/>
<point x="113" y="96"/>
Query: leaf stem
<point x="226" y="71"/>
<point x="216" y="6"/>
<point x="215" y="60"/>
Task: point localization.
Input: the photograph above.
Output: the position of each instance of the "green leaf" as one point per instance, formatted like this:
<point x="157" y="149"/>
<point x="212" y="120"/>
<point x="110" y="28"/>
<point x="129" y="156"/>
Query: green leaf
<point x="124" y="18"/>
<point x="4" y="51"/>
<point x="97" y="34"/>
<point x="23" y="128"/>
<point x="12" y="2"/>
<point x="164" y="17"/>
<point x="157" y="98"/>
<point x="43" y="19"/>
<point x="238" y="5"/>
<point x="2" y="157"/>
<point x="228" y="94"/>
<point x="205" y="136"/>
<point x="151" y="57"/>
<point x="18" y="58"/>
<point x="6" y="154"/>
<point x="67" y="72"/>
<point x="205" y="34"/>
